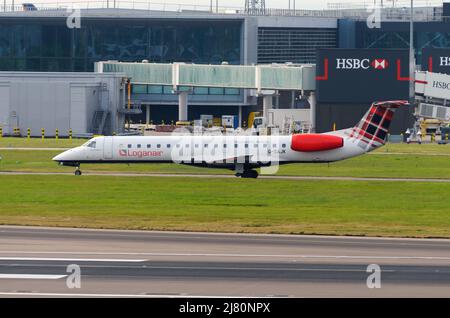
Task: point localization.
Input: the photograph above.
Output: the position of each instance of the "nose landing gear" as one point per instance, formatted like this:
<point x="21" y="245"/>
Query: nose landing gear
<point x="78" y="171"/>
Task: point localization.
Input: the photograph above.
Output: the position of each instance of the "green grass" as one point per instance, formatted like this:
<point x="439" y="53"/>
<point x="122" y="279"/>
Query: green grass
<point x="371" y="165"/>
<point x="433" y="149"/>
<point x="14" y="142"/>
<point x="397" y="209"/>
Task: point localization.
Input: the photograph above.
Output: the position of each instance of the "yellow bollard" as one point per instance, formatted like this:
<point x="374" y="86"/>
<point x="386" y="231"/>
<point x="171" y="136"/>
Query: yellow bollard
<point x="1" y="131"/>
<point x="43" y="133"/>
<point x="334" y="126"/>
<point x="29" y="133"/>
<point x="433" y="137"/>
<point x="70" y="134"/>
<point x="162" y="123"/>
<point x="446" y="137"/>
<point x="56" y="134"/>
<point x="114" y="133"/>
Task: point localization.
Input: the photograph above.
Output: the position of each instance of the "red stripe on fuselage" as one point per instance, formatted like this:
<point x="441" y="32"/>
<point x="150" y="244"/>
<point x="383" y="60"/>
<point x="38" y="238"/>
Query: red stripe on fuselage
<point x="316" y="142"/>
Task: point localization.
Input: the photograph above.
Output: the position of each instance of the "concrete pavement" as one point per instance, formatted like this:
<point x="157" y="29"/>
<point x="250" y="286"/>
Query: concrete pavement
<point x="33" y="262"/>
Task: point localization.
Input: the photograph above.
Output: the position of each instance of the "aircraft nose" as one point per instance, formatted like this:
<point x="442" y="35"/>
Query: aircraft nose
<point x="61" y="156"/>
<point x="57" y="158"/>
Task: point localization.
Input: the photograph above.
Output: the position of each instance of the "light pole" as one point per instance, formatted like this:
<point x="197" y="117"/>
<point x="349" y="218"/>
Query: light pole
<point x="412" y="63"/>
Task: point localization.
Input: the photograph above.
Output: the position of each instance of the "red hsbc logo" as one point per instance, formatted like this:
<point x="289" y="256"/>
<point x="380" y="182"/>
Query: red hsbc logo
<point x="361" y="64"/>
<point x="380" y="64"/>
<point x="139" y="153"/>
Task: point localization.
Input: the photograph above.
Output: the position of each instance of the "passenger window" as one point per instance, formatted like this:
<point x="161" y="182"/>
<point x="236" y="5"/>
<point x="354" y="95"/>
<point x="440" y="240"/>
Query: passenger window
<point x="139" y="146"/>
<point x="168" y="145"/>
<point x="92" y="144"/>
<point x="255" y="145"/>
<point x="206" y="145"/>
<point x="284" y="146"/>
<point x="129" y="145"/>
<point x="246" y="145"/>
<point x="149" y="146"/>
<point x="178" y="145"/>
<point x="187" y="145"/>
<point x="224" y="145"/>
<point x="158" y="146"/>
<point x="196" y="146"/>
<point x="235" y="145"/>
<point x="216" y="146"/>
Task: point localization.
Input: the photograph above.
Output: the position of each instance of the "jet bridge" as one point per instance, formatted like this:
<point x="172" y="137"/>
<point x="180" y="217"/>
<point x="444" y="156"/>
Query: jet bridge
<point x="433" y="95"/>
<point x="263" y="80"/>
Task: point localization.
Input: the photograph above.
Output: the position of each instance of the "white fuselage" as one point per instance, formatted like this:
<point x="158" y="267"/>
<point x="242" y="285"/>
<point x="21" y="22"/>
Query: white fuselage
<point x="257" y="150"/>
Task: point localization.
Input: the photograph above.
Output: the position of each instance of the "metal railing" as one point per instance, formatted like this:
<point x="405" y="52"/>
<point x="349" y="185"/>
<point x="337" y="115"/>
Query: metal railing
<point x="118" y="4"/>
<point x="386" y="4"/>
<point x="425" y="13"/>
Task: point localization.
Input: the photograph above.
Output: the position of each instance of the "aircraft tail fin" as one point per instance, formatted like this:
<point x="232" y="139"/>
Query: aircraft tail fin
<point x="372" y="130"/>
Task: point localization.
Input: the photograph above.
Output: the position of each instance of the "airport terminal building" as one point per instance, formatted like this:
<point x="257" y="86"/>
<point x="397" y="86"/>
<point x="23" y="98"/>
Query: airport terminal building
<point x="40" y="41"/>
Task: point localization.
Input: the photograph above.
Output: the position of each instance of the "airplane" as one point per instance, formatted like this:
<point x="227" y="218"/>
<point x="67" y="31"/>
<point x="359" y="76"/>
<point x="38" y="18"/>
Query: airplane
<point x="242" y="153"/>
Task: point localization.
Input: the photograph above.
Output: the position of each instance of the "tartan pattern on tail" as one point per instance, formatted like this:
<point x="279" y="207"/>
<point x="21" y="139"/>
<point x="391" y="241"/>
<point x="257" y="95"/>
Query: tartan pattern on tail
<point x="371" y="132"/>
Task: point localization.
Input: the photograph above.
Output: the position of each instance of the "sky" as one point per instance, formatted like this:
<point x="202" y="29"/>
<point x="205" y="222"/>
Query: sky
<point x="300" y="4"/>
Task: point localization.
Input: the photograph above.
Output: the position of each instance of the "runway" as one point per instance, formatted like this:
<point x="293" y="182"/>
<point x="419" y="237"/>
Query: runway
<point x="228" y="176"/>
<point x="34" y="262"/>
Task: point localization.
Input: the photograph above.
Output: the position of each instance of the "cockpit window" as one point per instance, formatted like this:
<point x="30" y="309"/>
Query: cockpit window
<point x="92" y="144"/>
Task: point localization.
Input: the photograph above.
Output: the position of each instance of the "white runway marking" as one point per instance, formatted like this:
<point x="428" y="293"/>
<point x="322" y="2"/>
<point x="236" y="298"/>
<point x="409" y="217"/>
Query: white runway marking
<point x="124" y="295"/>
<point x="111" y="260"/>
<point x="444" y="258"/>
<point x="227" y="176"/>
<point x="30" y="276"/>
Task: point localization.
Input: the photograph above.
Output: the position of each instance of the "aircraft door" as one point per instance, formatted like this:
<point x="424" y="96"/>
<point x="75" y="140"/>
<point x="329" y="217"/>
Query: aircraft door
<point x="108" y="148"/>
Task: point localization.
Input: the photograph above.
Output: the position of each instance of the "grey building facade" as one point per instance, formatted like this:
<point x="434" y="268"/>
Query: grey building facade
<point x="40" y="41"/>
<point x="85" y="103"/>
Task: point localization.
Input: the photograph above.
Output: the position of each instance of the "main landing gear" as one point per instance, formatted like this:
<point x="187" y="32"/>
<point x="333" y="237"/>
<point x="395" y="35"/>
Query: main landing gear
<point x="78" y="171"/>
<point x="248" y="174"/>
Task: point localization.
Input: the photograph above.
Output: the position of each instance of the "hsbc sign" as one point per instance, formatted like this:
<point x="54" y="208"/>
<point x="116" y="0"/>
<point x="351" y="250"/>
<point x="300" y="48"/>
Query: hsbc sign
<point x="436" y="60"/>
<point x="437" y="86"/>
<point x="441" y="85"/>
<point x="361" y="64"/>
<point x="361" y="75"/>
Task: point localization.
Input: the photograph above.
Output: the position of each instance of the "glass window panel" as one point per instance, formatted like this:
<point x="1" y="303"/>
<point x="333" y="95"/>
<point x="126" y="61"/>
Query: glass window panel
<point x="232" y="91"/>
<point x="32" y="36"/>
<point x="63" y="41"/>
<point x="200" y="90"/>
<point x="6" y="40"/>
<point x="139" y="89"/>
<point x="49" y="42"/>
<point x="216" y="91"/>
<point x="155" y="89"/>
<point x="167" y="90"/>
